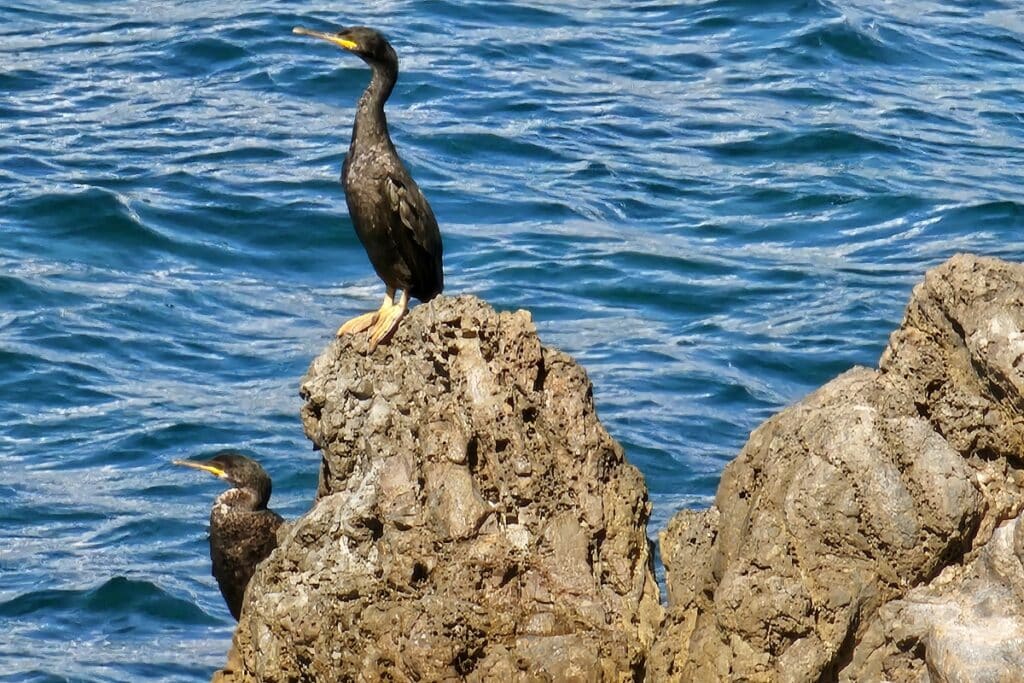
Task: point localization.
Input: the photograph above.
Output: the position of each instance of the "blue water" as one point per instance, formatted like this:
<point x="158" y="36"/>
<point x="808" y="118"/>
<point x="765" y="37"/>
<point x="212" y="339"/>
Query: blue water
<point x="715" y="206"/>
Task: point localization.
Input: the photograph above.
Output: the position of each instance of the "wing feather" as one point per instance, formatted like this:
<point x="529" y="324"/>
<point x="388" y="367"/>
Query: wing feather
<point x="416" y="235"/>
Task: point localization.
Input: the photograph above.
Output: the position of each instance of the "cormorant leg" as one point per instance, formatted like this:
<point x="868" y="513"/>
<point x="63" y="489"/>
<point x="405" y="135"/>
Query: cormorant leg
<point x="363" y="322"/>
<point x="389" y="320"/>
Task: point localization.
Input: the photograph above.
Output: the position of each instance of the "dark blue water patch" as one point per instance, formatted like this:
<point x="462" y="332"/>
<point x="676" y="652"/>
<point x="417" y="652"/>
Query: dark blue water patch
<point x="8" y="493"/>
<point x="1000" y="44"/>
<point x="933" y="116"/>
<point x="64" y="389"/>
<point x="788" y="201"/>
<point x="70" y="392"/>
<point x="826" y="143"/>
<point x="1004" y="216"/>
<point x="23" y="165"/>
<point x="21" y="295"/>
<point x="1013" y="120"/>
<point x="236" y="154"/>
<point x="23" y="80"/>
<point x="116" y="602"/>
<point x="496" y="210"/>
<point x="203" y="56"/>
<point x="631" y="125"/>
<point x="844" y="40"/>
<point x="124" y="26"/>
<point x="34" y="676"/>
<point x="800" y="94"/>
<point x="93" y="216"/>
<point x="481" y="14"/>
<point x="139" y="447"/>
<point x="326" y="77"/>
<point x="130" y="531"/>
<point x="495" y="146"/>
<point x="715" y="23"/>
<point x="795" y="8"/>
<point x="702" y="288"/>
<point x="49" y="512"/>
<point x="8" y="111"/>
<point x="161" y="666"/>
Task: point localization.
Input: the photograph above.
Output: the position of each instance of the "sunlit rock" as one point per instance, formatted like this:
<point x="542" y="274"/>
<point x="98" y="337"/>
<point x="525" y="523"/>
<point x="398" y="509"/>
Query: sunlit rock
<point x="473" y="518"/>
<point x="870" y="531"/>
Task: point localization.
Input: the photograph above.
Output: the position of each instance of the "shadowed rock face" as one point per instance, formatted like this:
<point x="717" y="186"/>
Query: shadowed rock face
<point x="870" y="531"/>
<point x="473" y="518"/>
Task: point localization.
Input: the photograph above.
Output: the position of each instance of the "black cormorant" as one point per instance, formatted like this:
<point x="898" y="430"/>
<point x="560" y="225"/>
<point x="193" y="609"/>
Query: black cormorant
<point x="242" y="530"/>
<point x="391" y="216"/>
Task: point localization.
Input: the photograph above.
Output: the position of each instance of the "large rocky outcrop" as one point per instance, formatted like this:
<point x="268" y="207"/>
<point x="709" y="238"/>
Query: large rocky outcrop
<point x="473" y="519"/>
<point x="870" y="532"/>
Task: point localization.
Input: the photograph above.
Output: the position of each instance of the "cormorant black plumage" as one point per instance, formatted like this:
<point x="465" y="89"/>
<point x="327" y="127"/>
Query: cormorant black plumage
<point x="242" y="530"/>
<point x="391" y="216"/>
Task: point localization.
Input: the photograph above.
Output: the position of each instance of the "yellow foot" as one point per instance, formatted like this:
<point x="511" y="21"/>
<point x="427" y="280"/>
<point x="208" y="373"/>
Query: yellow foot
<point x="360" y="323"/>
<point x="388" y="322"/>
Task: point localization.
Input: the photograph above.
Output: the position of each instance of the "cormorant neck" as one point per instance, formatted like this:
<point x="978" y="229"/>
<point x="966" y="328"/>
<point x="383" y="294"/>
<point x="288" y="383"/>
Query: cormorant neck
<point x="371" y="125"/>
<point x="245" y="499"/>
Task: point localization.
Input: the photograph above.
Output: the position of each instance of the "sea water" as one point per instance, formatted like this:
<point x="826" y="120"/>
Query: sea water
<point x="715" y="206"/>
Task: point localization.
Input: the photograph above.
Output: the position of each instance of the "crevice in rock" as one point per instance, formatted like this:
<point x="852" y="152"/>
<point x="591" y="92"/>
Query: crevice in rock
<point x="510" y="573"/>
<point x="542" y="374"/>
<point x="375" y="527"/>
<point x="473" y="453"/>
<point x="844" y="655"/>
<point x="594" y="544"/>
<point x="467" y="659"/>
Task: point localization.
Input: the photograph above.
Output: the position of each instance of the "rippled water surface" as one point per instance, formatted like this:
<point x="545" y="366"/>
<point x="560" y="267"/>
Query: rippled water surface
<point x="716" y="206"/>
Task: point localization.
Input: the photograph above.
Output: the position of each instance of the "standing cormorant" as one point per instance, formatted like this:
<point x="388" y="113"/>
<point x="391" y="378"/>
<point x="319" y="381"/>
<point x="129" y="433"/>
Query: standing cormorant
<point x="391" y="216"/>
<point x="242" y="530"/>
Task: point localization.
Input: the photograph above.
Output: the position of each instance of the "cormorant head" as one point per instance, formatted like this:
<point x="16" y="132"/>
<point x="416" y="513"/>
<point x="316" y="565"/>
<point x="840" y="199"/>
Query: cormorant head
<point x="366" y="42"/>
<point x="239" y="471"/>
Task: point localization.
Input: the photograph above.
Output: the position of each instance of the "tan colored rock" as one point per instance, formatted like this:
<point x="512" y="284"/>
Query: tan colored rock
<point x="842" y="534"/>
<point x="966" y="625"/>
<point x="473" y="519"/>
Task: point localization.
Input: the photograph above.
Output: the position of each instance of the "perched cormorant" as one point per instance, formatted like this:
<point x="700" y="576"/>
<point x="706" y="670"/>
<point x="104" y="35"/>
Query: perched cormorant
<point x="242" y="530"/>
<point x="391" y="216"/>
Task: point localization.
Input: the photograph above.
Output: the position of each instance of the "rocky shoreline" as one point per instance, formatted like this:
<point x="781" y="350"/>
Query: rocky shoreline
<point x="475" y="521"/>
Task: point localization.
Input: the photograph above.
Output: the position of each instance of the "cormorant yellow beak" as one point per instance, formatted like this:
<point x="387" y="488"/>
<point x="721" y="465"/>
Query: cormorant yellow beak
<point x="215" y="471"/>
<point x="330" y="38"/>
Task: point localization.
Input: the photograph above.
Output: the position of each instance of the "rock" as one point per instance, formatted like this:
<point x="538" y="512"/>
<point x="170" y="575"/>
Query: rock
<point x="966" y="625"/>
<point x="473" y="518"/>
<point x="862" y="533"/>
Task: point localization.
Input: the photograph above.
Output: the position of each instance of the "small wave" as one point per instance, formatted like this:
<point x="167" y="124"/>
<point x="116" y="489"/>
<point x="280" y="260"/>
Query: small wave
<point x="205" y="55"/>
<point x="26" y="166"/>
<point x="119" y="595"/>
<point x="23" y="80"/>
<point x="34" y="676"/>
<point x="493" y="145"/>
<point x="842" y="38"/>
<point x="95" y="214"/>
<point x="237" y="153"/>
<point x="791" y="7"/>
<point x="825" y="142"/>
<point x="125" y="533"/>
<point x="20" y="295"/>
<point x="999" y="217"/>
<point x="488" y="14"/>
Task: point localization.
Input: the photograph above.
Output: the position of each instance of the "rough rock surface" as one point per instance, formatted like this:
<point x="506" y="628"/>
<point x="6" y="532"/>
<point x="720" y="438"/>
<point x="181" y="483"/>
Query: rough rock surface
<point x="870" y="531"/>
<point x="473" y="519"/>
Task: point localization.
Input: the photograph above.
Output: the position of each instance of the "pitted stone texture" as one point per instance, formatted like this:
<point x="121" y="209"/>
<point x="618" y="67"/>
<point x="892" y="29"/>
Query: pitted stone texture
<point x="473" y="519"/>
<point x="843" y="535"/>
